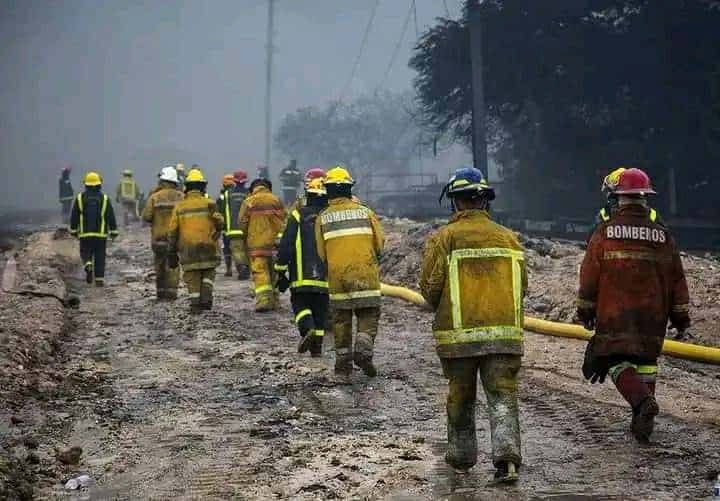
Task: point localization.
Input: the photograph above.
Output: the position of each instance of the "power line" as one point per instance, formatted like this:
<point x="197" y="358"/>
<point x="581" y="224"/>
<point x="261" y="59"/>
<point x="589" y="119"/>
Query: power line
<point x="396" y="49"/>
<point x="417" y="30"/>
<point x="360" y="52"/>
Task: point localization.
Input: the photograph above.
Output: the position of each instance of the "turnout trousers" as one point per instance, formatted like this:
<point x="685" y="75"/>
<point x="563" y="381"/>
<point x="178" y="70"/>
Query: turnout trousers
<point x="129" y="210"/>
<point x="311" y="315"/>
<point x="166" y="278"/>
<point x="92" y="253"/>
<point x="367" y="327"/>
<point x="200" y="285"/>
<point x="499" y="376"/>
<point x="66" y="207"/>
<point x="263" y="276"/>
<point x="634" y="378"/>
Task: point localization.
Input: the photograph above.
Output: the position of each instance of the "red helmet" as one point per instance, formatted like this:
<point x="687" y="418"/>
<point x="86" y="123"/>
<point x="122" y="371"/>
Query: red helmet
<point x="633" y="182"/>
<point x="314" y="173"/>
<point x="240" y="176"/>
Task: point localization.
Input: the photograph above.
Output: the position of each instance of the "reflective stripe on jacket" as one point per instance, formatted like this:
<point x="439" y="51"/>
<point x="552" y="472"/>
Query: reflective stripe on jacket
<point x="159" y="208"/>
<point x="92" y="215"/>
<point x="229" y="204"/>
<point x="128" y="190"/>
<point x="195" y="226"/>
<point x="298" y="252"/>
<point x="349" y="239"/>
<point x="474" y="276"/>
<point x="631" y="282"/>
<point x="261" y="221"/>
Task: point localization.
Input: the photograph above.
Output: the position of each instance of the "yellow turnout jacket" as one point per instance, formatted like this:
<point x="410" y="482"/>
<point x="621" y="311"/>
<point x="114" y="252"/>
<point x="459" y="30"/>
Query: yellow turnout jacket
<point x="195" y="226"/>
<point x="349" y="239"/>
<point x="158" y="210"/>
<point x="474" y="276"/>
<point x="261" y="220"/>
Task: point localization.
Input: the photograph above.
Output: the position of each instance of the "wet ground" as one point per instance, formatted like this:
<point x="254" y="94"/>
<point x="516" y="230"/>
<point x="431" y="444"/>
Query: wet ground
<point x="168" y="405"/>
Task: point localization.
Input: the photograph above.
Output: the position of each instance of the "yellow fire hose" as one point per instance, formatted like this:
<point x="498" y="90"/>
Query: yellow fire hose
<point x="687" y="351"/>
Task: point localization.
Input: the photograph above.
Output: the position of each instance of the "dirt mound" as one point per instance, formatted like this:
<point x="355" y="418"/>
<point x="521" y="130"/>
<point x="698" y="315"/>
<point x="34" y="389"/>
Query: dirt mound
<point x="32" y="320"/>
<point x="553" y="267"/>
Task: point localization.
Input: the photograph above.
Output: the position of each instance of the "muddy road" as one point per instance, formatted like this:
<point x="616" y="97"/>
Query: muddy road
<point x="168" y="405"/>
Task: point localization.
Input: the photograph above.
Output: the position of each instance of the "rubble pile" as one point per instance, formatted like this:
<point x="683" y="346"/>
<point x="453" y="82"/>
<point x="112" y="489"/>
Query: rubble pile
<point x="553" y="267"/>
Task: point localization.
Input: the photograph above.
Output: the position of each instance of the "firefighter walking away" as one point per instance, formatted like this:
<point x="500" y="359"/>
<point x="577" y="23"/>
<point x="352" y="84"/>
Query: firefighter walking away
<point x="158" y="212"/>
<point x="631" y="283"/>
<point x="66" y="194"/>
<point x="349" y="239"/>
<point x="92" y="221"/>
<point x="307" y="279"/>
<point x="473" y="275"/>
<point x="195" y="226"/>
<point x="229" y="202"/>
<point x="128" y="196"/>
<point x="261" y="221"/>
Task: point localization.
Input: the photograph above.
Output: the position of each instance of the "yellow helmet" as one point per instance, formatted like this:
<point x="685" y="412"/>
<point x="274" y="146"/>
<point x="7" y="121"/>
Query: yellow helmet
<point x="180" y="167"/>
<point x="228" y="180"/>
<point x="92" y="179"/>
<point x="612" y="179"/>
<point x="195" y="176"/>
<point x="316" y="186"/>
<point x="338" y="175"/>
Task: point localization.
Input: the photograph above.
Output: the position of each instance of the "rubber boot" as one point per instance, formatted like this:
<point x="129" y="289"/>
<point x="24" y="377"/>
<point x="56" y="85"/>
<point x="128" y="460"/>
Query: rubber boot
<point x="462" y="448"/>
<point x="643" y="421"/>
<point x="195" y="306"/>
<point x="228" y="266"/>
<point x="343" y="364"/>
<point x="316" y="345"/>
<point x="99" y="282"/>
<point x="89" y="272"/>
<point x="264" y="302"/>
<point x="243" y="271"/>
<point x="363" y="355"/>
<point x="306" y="341"/>
<point x="506" y="472"/>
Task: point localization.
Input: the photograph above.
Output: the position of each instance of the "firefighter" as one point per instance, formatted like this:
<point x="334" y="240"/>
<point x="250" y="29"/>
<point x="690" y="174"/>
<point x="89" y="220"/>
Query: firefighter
<point x="195" y="226"/>
<point x="349" y="239"/>
<point x="611" y="202"/>
<point x="631" y="283"/>
<point x="308" y="275"/>
<point x="66" y="194"/>
<point x="263" y="171"/>
<point x="128" y="195"/>
<point x="261" y="220"/>
<point x="180" y="168"/>
<point x="290" y="178"/>
<point x="227" y="185"/>
<point x="474" y="277"/>
<point x="313" y="173"/>
<point x="237" y="243"/>
<point x="92" y="220"/>
<point x="158" y="212"/>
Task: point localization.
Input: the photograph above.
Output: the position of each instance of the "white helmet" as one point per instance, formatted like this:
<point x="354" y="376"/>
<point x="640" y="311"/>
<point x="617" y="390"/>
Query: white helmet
<point x="169" y="174"/>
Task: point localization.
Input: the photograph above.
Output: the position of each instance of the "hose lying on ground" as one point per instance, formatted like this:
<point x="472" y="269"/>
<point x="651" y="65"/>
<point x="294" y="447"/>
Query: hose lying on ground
<point x="687" y="351"/>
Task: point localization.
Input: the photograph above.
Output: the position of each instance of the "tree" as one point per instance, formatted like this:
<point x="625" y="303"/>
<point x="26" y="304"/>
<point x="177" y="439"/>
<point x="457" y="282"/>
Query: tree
<point x="575" y="88"/>
<point x="378" y="133"/>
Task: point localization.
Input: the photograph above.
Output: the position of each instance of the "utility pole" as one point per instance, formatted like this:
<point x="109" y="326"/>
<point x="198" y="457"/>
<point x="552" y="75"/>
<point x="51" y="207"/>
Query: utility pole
<point x="268" y="82"/>
<point x="479" y="144"/>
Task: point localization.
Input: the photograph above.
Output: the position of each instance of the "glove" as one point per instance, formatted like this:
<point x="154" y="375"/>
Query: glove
<point x="173" y="260"/>
<point x="587" y="318"/>
<point x="595" y="369"/>
<point x="283" y="283"/>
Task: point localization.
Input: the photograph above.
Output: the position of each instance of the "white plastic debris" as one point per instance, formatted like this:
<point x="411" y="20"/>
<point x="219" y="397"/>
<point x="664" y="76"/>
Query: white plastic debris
<point x="76" y="483"/>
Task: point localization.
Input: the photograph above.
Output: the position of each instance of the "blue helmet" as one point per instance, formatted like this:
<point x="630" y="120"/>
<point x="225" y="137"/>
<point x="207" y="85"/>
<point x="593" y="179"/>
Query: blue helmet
<point x="468" y="180"/>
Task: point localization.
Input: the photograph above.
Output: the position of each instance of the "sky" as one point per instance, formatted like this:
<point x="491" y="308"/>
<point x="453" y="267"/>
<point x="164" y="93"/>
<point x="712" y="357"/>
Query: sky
<point x="109" y="84"/>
